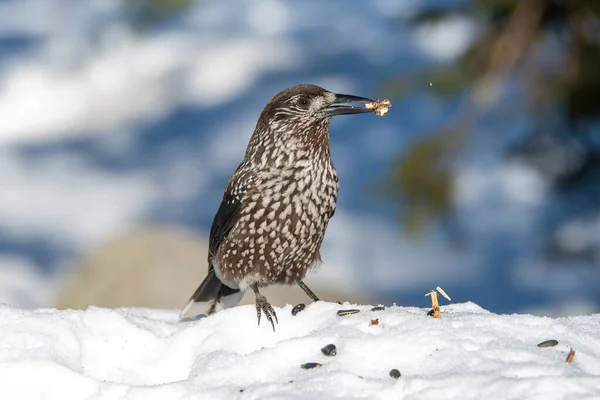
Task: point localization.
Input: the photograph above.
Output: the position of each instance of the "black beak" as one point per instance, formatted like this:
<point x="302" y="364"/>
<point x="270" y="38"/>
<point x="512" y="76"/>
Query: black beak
<point x="347" y="104"/>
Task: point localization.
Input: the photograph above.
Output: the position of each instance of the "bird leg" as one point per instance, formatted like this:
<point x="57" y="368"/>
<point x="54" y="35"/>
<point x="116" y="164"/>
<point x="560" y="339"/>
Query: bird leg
<point x="306" y="289"/>
<point x="262" y="305"/>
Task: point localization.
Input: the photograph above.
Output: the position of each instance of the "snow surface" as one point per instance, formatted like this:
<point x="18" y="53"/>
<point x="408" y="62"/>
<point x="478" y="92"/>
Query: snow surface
<point x="148" y="354"/>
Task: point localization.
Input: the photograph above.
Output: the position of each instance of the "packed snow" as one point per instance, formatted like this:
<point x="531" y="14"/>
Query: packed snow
<point x="469" y="353"/>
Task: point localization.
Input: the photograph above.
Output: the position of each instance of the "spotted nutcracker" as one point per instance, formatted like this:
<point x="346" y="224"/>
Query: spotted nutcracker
<point x="276" y="206"/>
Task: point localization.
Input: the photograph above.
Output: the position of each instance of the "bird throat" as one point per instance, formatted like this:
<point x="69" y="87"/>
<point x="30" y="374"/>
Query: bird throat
<point x="290" y="145"/>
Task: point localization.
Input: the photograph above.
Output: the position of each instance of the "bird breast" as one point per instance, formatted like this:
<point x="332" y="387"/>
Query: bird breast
<point x="282" y="224"/>
<point x="303" y="190"/>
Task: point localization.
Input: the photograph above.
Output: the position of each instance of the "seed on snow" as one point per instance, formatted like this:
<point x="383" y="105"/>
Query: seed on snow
<point x="311" y="365"/>
<point x="395" y="373"/>
<point x="329" y="350"/>
<point x="297" y="308"/>
<point x="378" y="308"/>
<point x="548" y="343"/>
<point x="570" y="356"/>
<point x="341" y="313"/>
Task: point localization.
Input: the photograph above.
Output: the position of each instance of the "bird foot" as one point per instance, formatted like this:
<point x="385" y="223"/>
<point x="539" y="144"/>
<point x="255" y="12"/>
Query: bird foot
<point x="262" y="305"/>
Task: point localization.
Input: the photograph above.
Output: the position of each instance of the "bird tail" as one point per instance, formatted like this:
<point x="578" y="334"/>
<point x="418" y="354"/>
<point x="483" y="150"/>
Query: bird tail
<point x="212" y="294"/>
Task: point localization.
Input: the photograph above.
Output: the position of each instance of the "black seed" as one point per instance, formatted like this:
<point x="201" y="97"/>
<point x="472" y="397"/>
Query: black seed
<point x="395" y="373"/>
<point x="430" y="313"/>
<point x="297" y="308"/>
<point x="241" y="390"/>
<point x="329" y="350"/>
<point x="311" y="365"/>
<point x="548" y="343"/>
<point x="341" y="313"/>
<point x="378" y="308"/>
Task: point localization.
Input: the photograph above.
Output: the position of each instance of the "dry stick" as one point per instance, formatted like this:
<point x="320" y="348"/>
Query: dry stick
<point x="435" y="305"/>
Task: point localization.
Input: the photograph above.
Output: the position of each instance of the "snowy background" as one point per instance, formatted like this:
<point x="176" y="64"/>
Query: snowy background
<point x="110" y="121"/>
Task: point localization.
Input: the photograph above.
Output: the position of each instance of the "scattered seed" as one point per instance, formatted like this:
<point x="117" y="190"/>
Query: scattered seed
<point x="395" y="373"/>
<point x="311" y="365"/>
<point x="374" y="322"/>
<point x="571" y="356"/>
<point x="297" y="308"/>
<point x="430" y="313"/>
<point x="548" y="343"/>
<point x="241" y="390"/>
<point x="378" y="308"/>
<point x="329" y="350"/>
<point x="341" y="313"/>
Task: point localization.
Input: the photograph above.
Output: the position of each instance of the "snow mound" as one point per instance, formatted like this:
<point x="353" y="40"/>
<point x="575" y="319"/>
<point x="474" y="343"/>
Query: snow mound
<point x="148" y="354"/>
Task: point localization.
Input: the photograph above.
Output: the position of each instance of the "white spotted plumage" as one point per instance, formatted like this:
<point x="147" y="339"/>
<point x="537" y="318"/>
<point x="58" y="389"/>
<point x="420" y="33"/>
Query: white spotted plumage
<point x="288" y="188"/>
<point x="277" y="204"/>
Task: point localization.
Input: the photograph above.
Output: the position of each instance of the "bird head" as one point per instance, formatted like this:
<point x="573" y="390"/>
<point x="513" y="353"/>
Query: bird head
<point x="295" y="123"/>
<point x="309" y="103"/>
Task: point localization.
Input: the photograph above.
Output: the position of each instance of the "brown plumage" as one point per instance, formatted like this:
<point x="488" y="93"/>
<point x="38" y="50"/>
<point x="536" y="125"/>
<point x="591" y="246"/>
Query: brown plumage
<point x="278" y="202"/>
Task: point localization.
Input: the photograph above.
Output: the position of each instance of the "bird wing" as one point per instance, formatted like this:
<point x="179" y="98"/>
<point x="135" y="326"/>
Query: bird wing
<point x="212" y="290"/>
<point x="225" y="219"/>
<point x="239" y="185"/>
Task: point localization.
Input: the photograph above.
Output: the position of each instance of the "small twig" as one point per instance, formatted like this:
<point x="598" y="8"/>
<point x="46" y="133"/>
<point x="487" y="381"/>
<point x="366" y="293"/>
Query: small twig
<point x="439" y="289"/>
<point x="435" y="305"/>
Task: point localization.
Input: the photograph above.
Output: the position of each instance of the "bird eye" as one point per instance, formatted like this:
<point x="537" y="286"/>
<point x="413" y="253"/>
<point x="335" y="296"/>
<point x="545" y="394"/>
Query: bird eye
<point x="303" y="102"/>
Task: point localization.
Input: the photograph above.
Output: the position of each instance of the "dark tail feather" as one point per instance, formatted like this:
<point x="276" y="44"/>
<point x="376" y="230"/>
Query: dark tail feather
<point x="211" y="292"/>
<point x="206" y="293"/>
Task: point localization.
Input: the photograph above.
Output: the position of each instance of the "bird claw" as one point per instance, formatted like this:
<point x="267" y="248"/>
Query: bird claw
<point x="262" y="305"/>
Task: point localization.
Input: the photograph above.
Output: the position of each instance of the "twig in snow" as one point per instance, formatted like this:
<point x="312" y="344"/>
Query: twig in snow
<point x="435" y="305"/>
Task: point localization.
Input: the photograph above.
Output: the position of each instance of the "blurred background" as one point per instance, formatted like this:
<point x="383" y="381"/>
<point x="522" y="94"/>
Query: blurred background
<point x="121" y="121"/>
